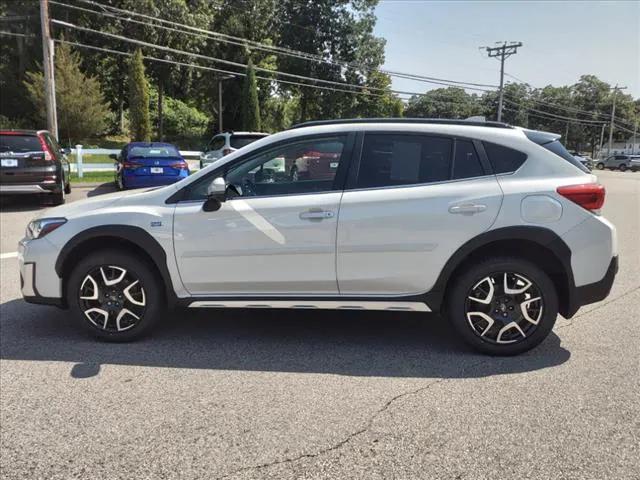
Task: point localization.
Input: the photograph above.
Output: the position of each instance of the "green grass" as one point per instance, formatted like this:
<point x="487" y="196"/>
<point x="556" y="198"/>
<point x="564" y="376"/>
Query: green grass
<point x="93" y="177"/>
<point x="86" y="158"/>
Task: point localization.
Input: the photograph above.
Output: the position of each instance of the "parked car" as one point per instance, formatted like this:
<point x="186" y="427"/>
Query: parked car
<point x="32" y="163"/>
<point x="614" y="162"/>
<point x="142" y="164"/>
<point x="497" y="227"/>
<point x="634" y="163"/>
<point x="583" y="159"/>
<point x="225" y="143"/>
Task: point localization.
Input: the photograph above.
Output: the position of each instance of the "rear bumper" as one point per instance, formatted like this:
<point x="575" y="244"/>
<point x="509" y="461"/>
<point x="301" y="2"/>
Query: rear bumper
<point x="26" y="189"/>
<point x="592" y="292"/>
<point x="139" y="181"/>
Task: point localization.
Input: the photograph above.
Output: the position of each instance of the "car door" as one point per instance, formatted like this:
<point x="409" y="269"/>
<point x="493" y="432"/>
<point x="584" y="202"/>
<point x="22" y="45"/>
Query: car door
<point x="415" y="200"/>
<point x="274" y="236"/>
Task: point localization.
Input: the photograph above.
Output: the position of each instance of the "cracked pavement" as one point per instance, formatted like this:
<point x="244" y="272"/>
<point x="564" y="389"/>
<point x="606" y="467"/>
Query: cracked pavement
<point x="322" y="395"/>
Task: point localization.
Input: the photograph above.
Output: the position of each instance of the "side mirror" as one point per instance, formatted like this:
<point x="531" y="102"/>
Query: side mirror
<point x="113" y="156"/>
<point x="216" y="194"/>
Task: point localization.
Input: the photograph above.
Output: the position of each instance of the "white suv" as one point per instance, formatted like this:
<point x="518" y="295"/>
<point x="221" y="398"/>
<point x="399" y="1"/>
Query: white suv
<point x="495" y="226"/>
<point x="226" y="143"/>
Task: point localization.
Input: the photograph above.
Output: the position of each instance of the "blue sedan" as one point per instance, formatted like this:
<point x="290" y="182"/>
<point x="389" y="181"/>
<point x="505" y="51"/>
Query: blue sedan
<point x="142" y="164"/>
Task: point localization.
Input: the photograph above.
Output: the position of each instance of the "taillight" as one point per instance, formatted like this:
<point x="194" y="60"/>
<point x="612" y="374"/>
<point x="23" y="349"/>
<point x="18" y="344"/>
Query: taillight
<point x="588" y="195"/>
<point x="226" y="151"/>
<point x="179" y="165"/>
<point x="131" y="165"/>
<point x="48" y="154"/>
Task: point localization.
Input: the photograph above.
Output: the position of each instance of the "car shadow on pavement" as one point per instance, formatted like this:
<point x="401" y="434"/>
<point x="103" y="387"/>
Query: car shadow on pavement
<point x="103" y="188"/>
<point x="21" y="203"/>
<point x="383" y="344"/>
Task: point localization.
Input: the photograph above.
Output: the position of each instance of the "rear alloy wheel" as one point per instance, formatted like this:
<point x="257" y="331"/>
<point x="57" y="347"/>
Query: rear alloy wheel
<point x="504" y="306"/>
<point x="115" y="296"/>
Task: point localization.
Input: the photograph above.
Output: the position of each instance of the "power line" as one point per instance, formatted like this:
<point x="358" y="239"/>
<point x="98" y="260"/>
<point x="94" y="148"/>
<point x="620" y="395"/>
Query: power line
<point x="542" y="116"/>
<point x="269" y="48"/>
<point x="555" y="115"/>
<point x="217" y="70"/>
<point x="14" y="34"/>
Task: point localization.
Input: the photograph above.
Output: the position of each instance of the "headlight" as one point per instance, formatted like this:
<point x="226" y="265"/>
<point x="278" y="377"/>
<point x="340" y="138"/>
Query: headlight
<point x="41" y="227"/>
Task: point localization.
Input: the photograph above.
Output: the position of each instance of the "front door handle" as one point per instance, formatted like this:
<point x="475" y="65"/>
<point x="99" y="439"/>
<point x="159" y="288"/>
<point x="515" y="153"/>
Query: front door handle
<point x="316" y="214"/>
<point x="468" y="208"/>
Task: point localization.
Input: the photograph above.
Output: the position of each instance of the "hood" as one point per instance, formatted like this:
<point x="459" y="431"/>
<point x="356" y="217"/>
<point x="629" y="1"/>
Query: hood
<point x="81" y="207"/>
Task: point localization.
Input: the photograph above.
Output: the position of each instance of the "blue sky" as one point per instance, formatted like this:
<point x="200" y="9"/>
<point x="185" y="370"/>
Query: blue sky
<point x="562" y="40"/>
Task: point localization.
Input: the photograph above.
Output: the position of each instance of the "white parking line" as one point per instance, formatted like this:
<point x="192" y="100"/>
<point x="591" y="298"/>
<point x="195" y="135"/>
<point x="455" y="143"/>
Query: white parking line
<point x="8" y="255"/>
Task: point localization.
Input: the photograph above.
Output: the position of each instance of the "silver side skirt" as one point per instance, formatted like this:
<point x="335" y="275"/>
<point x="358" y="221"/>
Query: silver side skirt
<point x="315" y="304"/>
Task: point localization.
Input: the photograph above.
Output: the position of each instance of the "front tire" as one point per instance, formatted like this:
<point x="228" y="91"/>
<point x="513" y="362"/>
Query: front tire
<point x="503" y="305"/>
<point x="623" y="167"/>
<point x="115" y="296"/>
<point x="600" y="166"/>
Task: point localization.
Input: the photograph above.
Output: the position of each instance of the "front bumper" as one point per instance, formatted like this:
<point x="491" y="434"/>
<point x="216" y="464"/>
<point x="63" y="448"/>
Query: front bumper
<point x="39" y="282"/>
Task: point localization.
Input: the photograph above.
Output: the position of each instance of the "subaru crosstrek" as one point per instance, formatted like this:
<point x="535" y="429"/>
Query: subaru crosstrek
<point x="496" y="227"/>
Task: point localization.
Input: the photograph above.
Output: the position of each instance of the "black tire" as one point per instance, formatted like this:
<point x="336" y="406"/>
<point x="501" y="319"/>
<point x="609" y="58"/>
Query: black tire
<point x="622" y="167"/>
<point x="600" y="166"/>
<point x="67" y="188"/>
<point x="139" y="320"/>
<point x="56" y="198"/>
<point x="528" y="334"/>
<point x="120" y="183"/>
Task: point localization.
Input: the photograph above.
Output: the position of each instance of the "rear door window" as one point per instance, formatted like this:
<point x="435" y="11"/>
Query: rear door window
<point x="216" y="143"/>
<point x="19" y="143"/>
<point x="466" y="163"/>
<point x="504" y="159"/>
<point x="392" y="160"/>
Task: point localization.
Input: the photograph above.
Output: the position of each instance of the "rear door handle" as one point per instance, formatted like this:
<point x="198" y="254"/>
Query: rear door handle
<point x="468" y="208"/>
<point x="316" y="214"/>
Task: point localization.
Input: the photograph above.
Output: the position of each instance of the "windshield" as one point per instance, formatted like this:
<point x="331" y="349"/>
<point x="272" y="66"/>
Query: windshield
<point x="19" y="143"/>
<point x="153" y="152"/>
<point x="239" y="141"/>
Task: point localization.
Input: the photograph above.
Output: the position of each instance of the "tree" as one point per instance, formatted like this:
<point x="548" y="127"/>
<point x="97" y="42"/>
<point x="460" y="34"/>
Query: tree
<point x="82" y="110"/>
<point x="450" y="102"/>
<point x="250" y="106"/>
<point x="138" y="100"/>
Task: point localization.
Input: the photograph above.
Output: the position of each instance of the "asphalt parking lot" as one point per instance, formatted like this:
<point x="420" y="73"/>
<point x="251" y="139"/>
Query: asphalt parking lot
<point x="252" y="394"/>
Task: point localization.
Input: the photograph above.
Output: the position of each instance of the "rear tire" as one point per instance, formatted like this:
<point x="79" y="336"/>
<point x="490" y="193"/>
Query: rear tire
<point x="623" y="167"/>
<point x="503" y="305"/>
<point x="56" y="198"/>
<point x="115" y="296"/>
<point x="600" y="166"/>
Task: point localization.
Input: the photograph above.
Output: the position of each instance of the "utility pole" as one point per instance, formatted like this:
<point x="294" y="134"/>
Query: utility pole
<point x="633" y="144"/>
<point x="49" y="71"/>
<point x="220" y="106"/>
<point x="601" y="140"/>
<point x="613" y="115"/>
<point x="503" y="52"/>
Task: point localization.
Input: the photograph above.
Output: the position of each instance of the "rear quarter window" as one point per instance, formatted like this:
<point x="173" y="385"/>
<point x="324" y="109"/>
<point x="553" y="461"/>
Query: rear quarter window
<point x="504" y="159"/>
<point x="19" y="143"/>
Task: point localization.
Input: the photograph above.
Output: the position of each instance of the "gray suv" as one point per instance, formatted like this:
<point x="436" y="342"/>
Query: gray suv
<point x="616" y="162"/>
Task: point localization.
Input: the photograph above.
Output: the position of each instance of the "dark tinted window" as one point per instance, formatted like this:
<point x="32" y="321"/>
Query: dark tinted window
<point x="20" y="143"/>
<point x="557" y="148"/>
<point x="466" y="164"/>
<point x="239" y="141"/>
<point x="404" y="160"/>
<point x="504" y="159"/>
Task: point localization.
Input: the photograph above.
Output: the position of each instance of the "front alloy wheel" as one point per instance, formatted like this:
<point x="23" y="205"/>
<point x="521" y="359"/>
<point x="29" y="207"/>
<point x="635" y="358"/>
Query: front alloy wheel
<point x="112" y="298"/>
<point x="116" y="295"/>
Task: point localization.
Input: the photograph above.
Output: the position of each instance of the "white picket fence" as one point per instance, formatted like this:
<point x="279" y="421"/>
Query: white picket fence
<point x="191" y="156"/>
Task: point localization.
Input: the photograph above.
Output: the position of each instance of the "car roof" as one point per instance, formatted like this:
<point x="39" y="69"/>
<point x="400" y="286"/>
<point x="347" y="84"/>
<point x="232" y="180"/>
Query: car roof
<point x="430" y="121"/>
<point x="150" y="144"/>
<point x="20" y="131"/>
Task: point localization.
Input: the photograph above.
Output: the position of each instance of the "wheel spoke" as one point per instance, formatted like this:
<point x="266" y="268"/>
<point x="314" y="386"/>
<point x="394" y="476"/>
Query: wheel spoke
<point x="121" y="315"/>
<point x="506" y="328"/>
<point x="89" y="278"/>
<point x="524" y="308"/>
<point x="490" y="321"/>
<point x="109" y="282"/>
<point x="489" y="296"/>
<point x="516" y="291"/>
<point x="99" y="311"/>
<point x="129" y="297"/>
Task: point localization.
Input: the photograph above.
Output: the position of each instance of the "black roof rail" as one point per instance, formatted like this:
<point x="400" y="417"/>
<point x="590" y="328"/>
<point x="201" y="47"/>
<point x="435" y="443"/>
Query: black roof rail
<point x="433" y="121"/>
